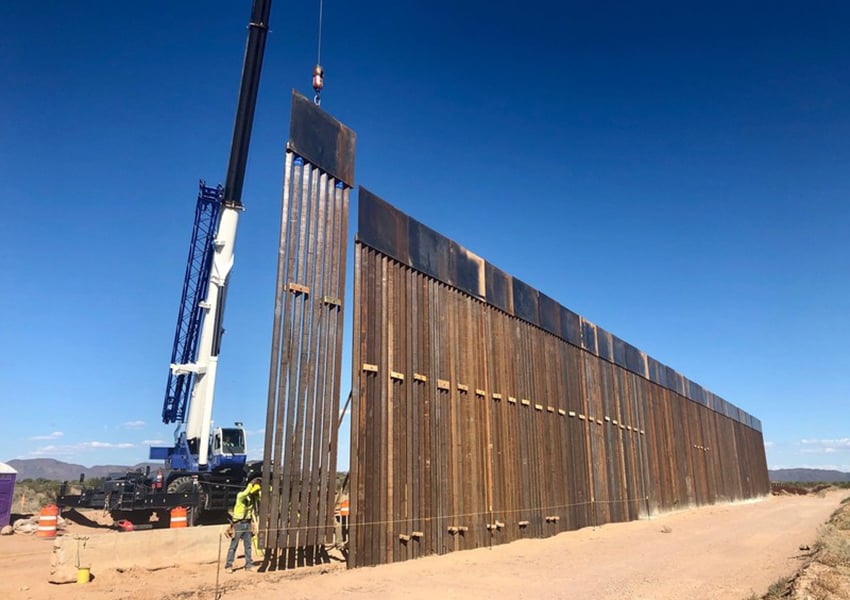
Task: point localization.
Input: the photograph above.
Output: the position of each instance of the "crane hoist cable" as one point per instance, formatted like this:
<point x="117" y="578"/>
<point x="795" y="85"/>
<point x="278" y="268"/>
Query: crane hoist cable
<point x="318" y="72"/>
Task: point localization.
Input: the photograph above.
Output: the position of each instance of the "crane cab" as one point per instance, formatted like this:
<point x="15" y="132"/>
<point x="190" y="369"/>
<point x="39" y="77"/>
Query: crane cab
<point x="228" y="447"/>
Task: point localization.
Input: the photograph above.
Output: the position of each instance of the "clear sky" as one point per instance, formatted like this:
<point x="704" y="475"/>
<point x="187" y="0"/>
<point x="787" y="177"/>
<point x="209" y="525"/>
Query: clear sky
<point x="677" y="173"/>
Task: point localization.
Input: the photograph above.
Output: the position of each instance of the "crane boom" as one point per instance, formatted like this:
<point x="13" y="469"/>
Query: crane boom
<point x="198" y="373"/>
<point x="252" y="65"/>
<point x="195" y="283"/>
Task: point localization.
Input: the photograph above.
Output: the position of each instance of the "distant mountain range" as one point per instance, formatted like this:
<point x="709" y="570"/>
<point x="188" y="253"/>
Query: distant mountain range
<point x="808" y="475"/>
<point x="56" y="470"/>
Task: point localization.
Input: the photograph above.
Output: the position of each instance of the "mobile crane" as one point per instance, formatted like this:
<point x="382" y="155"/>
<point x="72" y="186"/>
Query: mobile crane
<point x="205" y="467"/>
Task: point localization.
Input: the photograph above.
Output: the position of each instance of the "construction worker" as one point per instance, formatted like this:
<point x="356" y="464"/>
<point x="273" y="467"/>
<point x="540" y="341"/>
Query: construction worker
<point x="243" y="511"/>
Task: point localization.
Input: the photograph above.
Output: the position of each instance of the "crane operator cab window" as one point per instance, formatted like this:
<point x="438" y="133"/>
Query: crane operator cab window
<point x="231" y="441"/>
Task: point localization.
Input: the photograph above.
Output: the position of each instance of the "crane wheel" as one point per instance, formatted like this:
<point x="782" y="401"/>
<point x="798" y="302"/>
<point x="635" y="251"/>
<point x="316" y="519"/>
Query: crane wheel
<point x="186" y="485"/>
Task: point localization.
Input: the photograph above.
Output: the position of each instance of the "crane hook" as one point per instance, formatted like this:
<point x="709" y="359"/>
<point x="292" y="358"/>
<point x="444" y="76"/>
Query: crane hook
<point x="318" y="83"/>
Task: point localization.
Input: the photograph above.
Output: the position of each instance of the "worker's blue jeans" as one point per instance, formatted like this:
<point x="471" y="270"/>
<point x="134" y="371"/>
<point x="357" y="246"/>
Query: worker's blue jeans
<point x="242" y="531"/>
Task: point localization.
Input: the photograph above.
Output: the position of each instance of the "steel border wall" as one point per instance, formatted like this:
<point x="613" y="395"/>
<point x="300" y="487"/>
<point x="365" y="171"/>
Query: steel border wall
<point x="484" y="412"/>
<point x="300" y="450"/>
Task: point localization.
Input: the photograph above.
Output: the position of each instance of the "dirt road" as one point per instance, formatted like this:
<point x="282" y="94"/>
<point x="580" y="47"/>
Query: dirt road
<point x="710" y="553"/>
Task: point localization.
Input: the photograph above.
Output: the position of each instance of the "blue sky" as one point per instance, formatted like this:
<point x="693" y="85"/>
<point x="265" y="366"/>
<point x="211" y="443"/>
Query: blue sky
<point x="676" y="173"/>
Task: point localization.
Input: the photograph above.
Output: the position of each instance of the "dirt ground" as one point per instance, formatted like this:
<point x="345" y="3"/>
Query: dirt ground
<point x="719" y="552"/>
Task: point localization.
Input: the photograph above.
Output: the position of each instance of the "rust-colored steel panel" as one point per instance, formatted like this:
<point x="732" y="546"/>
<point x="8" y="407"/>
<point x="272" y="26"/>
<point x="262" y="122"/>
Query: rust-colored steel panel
<point x="429" y="250"/>
<point x="484" y="412"/>
<point x="499" y="288"/>
<point x="296" y="516"/>
<point x="383" y="227"/>
<point x="604" y="345"/>
<point x="525" y="302"/>
<point x="570" y="327"/>
<point x="618" y="350"/>
<point x="466" y="271"/>
<point x="588" y="336"/>
<point x="322" y="140"/>
<point x="550" y="314"/>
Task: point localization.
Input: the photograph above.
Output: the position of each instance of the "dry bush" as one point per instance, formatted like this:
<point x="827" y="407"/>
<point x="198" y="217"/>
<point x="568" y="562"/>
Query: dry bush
<point x="841" y="517"/>
<point x="31" y="494"/>
<point x="834" y="546"/>
<point x="777" y="589"/>
<point x="825" y="585"/>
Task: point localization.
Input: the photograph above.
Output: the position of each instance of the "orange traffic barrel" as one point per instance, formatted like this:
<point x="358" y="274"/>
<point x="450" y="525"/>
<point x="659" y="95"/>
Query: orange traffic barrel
<point x="343" y="509"/>
<point x="178" y="517"/>
<point x="47" y="519"/>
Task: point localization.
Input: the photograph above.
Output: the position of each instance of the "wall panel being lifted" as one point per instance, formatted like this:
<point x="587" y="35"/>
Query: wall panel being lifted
<point x="484" y="412"/>
<point x="299" y="460"/>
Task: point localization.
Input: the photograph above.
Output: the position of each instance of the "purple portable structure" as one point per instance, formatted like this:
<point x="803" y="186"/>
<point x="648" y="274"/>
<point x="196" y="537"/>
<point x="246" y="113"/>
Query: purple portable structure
<point x="7" y="490"/>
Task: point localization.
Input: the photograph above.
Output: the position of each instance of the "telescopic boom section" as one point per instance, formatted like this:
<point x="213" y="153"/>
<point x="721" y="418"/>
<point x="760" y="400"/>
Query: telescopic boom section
<point x="251" y="67"/>
<point x="203" y="368"/>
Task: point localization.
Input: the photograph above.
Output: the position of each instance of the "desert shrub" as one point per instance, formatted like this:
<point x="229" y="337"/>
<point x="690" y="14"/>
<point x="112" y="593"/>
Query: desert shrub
<point x="30" y="495"/>
<point x="834" y="546"/>
<point x="777" y="589"/>
<point x="826" y="584"/>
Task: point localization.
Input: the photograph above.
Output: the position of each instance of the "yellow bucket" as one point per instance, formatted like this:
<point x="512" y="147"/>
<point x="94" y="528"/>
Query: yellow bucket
<point x="83" y="574"/>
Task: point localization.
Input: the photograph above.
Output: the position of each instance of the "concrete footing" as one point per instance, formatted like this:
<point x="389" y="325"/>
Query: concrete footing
<point x="155" y="549"/>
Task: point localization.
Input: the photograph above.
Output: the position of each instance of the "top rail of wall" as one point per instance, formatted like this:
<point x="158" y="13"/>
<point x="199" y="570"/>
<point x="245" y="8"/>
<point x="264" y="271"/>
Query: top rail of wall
<point x="390" y="231"/>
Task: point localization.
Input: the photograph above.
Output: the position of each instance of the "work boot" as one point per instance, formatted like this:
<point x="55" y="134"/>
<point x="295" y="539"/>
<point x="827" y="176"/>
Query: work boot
<point x="228" y="569"/>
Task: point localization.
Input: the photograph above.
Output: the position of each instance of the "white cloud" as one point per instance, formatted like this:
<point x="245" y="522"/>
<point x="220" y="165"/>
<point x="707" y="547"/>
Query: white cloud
<point x="52" y="451"/>
<point x="133" y="424"/>
<point x="51" y="436"/>
<point x="769" y="444"/>
<point x="74" y="450"/>
<point x="106" y="445"/>
<point x="154" y="443"/>
<point x="825" y="446"/>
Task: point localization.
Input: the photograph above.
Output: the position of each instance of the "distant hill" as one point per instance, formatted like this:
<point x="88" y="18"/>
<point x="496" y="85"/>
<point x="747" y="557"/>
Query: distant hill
<point x="56" y="470"/>
<point x="808" y="475"/>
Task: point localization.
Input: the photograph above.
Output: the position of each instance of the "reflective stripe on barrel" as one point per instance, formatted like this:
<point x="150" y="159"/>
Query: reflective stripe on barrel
<point x="47" y="519"/>
<point x="178" y="517"/>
